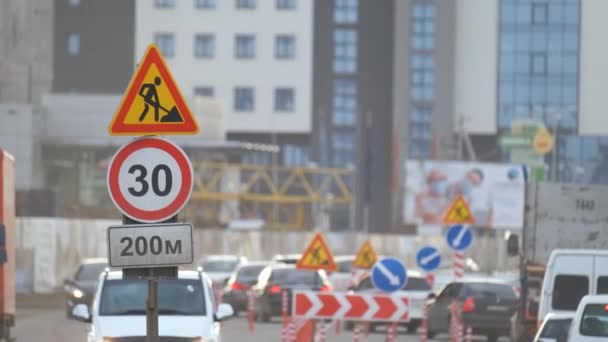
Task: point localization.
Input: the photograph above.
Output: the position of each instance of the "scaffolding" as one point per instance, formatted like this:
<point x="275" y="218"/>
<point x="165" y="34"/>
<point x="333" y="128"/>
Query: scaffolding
<point x="284" y="197"/>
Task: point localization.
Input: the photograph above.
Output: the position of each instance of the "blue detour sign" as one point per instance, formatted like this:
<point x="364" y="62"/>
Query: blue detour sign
<point x="459" y="237"/>
<point x="428" y="258"/>
<point x="389" y="274"/>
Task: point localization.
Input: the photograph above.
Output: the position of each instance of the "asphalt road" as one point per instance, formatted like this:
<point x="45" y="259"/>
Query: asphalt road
<point x="48" y="323"/>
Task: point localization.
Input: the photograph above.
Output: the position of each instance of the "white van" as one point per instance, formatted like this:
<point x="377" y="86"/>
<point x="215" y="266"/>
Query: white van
<point x="590" y="324"/>
<point x="185" y="306"/>
<point x="572" y="274"/>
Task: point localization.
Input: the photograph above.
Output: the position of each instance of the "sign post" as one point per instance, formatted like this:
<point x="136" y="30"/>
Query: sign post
<point x="459" y="237"/>
<point x="150" y="180"/>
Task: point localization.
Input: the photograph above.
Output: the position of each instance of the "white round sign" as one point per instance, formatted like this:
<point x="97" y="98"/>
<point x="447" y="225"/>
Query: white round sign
<point x="150" y="179"/>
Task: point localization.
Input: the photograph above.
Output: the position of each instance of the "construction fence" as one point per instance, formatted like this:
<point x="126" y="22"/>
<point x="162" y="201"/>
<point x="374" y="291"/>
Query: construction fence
<point x="50" y="249"/>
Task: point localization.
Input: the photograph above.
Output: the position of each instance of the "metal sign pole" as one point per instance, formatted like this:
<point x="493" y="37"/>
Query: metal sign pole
<point x="152" y="311"/>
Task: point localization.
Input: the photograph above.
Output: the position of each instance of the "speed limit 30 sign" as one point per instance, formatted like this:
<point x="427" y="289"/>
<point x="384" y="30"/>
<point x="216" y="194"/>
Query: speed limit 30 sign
<point x="150" y="179"/>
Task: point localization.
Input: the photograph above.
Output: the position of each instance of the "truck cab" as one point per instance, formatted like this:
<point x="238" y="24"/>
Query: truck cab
<point x="570" y="275"/>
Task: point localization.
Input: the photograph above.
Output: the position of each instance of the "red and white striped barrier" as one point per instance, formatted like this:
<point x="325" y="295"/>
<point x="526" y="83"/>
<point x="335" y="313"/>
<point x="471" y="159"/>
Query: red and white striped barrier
<point x="455" y="323"/>
<point x="322" y="329"/>
<point x="357" y="332"/>
<point x="359" y="307"/>
<point x="468" y="337"/>
<point x="459" y="263"/>
<point x="390" y="332"/>
<point x="423" y="324"/>
<point x="287" y="331"/>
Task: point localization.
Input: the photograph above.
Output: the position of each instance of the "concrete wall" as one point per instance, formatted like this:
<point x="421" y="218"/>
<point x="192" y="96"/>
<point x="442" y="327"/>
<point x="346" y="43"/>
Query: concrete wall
<point x="475" y="65"/>
<point x="18" y="137"/>
<point x="593" y="68"/>
<point x="26" y="50"/>
<point x="53" y="247"/>
<point x="224" y="72"/>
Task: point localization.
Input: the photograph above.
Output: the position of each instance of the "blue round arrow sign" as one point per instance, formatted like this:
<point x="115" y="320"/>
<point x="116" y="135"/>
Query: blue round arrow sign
<point x="459" y="237"/>
<point x="389" y="274"/>
<point x="428" y="258"/>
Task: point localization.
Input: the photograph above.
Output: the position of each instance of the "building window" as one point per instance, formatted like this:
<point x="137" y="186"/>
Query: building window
<point x="422" y="77"/>
<point x="245" y="4"/>
<point x="345" y="51"/>
<point x="165" y="3"/>
<point x="540" y="13"/>
<point x="204" y="4"/>
<point x="286" y="4"/>
<point x="74" y="3"/>
<point x="294" y="155"/>
<point x="285" y="47"/>
<point x="166" y="44"/>
<point x="345" y="11"/>
<point x="204" y="46"/>
<point x="204" y="91"/>
<point x="73" y="44"/>
<point x="284" y="99"/>
<point x="423" y="26"/>
<point x="244" y="99"/>
<point x="245" y="46"/>
<point x="343" y="148"/>
<point x="538" y="63"/>
<point x="345" y="103"/>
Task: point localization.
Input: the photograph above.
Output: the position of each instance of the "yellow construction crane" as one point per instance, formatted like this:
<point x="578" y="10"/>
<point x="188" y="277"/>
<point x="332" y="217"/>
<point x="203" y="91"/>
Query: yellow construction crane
<point x="284" y="197"/>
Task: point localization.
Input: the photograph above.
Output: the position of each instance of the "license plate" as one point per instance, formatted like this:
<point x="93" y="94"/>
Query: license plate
<point x="497" y="308"/>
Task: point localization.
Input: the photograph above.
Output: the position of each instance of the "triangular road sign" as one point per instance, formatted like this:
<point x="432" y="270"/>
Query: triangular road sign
<point x="153" y="104"/>
<point x="459" y="212"/>
<point x="317" y="256"/>
<point x="366" y="257"/>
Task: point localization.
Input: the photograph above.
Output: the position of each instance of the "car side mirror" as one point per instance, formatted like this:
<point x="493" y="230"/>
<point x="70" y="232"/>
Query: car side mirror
<point x="81" y="312"/>
<point x="223" y="311"/>
<point x="513" y="245"/>
<point x="431" y="296"/>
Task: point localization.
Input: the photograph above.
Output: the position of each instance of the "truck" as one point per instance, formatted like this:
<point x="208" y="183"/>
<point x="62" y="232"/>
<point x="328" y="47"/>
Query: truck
<point x="7" y="245"/>
<point x="557" y="216"/>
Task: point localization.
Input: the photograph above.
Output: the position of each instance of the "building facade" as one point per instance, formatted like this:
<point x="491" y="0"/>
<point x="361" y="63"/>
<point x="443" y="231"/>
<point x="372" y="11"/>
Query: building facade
<point x="253" y="56"/>
<point x="94" y="45"/>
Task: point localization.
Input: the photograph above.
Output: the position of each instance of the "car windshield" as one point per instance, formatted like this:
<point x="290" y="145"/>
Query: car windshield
<point x="556" y="328"/>
<point x="90" y="272"/>
<point x="480" y="290"/>
<point x="594" y="321"/>
<point x="294" y="276"/>
<point x="345" y="266"/>
<point x="178" y="297"/>
<point x="417" y="284"/>
<point x="249" y="272"/>
<point x="219" y="265"/>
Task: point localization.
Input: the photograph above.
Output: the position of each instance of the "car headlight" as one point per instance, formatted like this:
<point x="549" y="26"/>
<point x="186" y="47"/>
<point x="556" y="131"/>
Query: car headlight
<point x="77" y="293"/>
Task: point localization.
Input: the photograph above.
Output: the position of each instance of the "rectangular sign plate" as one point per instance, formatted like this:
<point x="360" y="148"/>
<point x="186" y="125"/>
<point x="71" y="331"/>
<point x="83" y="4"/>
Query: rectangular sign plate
<point x="148" y="245"/>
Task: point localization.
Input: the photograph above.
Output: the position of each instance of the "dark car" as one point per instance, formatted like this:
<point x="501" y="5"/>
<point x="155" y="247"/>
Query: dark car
<point x="239" y="283"/>
<point x="276" y="279"/>
<point x="80" y="287"/>
<point x="486" y="307"/>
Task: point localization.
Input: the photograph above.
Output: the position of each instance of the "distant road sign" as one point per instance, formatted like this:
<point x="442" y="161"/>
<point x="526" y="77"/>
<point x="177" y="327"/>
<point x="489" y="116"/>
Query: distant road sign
<point x="428" y="258"/>
<point x="459" y="212"/>
<point x="389" y="274"/>
<point x="366" y="257"/>
<point x="142" y="245"/>
<point x="543" y="141"/>
<point x="150" y="179"/>
<point x="317" y="256"/>
<point x="459" y="237"/>
<point x="153" y="103"/>
<point x="507" y="141"/>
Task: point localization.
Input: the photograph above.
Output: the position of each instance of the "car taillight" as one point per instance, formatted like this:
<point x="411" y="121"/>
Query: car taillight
<point x="325" y="288"/>
<point x="275" y="289"/>
<point x="238" y="286"/>
<point x="468" y="305"/>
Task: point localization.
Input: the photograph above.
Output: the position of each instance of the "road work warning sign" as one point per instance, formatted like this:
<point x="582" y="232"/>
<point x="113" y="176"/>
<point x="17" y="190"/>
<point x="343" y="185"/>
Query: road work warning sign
<point x="459" y="212"/>
<point x="153" y="104"/>
<point x="366" y="257"/>
<point x="317" y="256"/>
